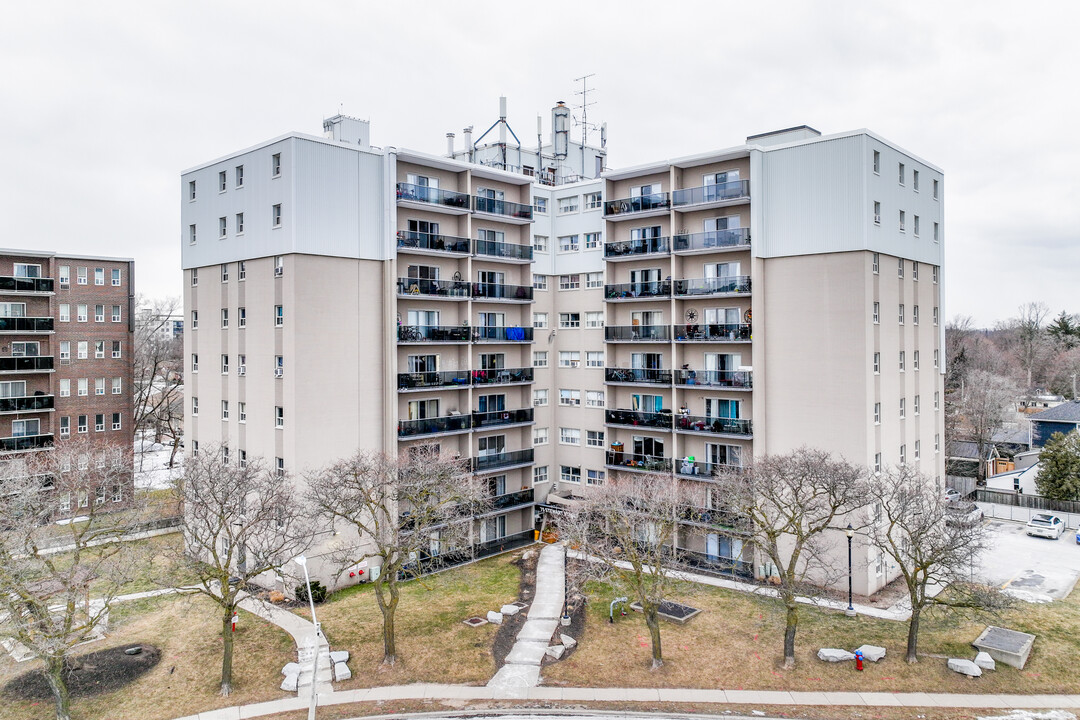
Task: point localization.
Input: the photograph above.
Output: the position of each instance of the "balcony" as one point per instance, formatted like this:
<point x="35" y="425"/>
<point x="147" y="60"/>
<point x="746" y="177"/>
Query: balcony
<point x="433" y="426"/>
<point x="509" y="252"/>
<point x="504" y="210"/>
<point x="701" y="287"/>
<point x="716" y="518"/>
<point x="502" y="417"/>
<point x="637" y="376"/>
<point x="26" y="324"/>
<point x="712" y="241"/>
<point x="722" y="379"/>
<point x="629" y="461"/>
<point x="494" y="291"/>
<point x="637" y="333"/>
<point x="497" y="461"/>
<point x="436" y="289"/>
<point x="638" y="290"/>
<point x="509" y="500"/>
<point x="426" y="380"/>
<point x="635" y="418"/>
<point x="39" y="363"/>
<point x="637" y="207"/>
<point x="24" y="285"/>
<point x="714" y="426"/>
<point x="25" y="442"/>
<point x="718" y="195"/>
<point x="495" y="334"/>
<point x="633" y="249"/>
<point x="426" y="242"/>
<point x="429" y="198"/>
<point x="716" y="564"/>
<point x="502" y="376"/>
<point x="724" y="332"/>
<point x="434" y="334"/>
<point x="29" y="403"/>
<point x="701" y="470"/>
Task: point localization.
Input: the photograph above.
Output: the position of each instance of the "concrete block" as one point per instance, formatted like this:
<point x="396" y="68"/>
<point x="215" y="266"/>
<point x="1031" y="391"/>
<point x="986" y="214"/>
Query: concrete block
<point x="984" y="661"/>
<point x="556" y="651"/>
<point x="289" y="683"/>
<point x="339" y="656"/>
<point x="341" y="671"/>
<point x="291" y="669"/>
<point x="834" y="655"/>
<point x="873" y="653"/>
<point x="509" y="610"/>
<point x="495" y="618"/>
<point x="568" y="641"/>
<point x="964" y="667"/>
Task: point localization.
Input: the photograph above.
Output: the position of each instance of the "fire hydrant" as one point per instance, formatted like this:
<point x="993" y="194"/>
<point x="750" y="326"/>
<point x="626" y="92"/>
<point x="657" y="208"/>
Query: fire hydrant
<point x="858" y="660"/>
<point x="235" y="617"/>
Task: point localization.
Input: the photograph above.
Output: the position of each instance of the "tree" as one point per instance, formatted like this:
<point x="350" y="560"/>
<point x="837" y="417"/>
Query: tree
<point x="627" y="528"/>
<point x="46" y="568"/>
<point x="158" y="371"/>
<point x="401" y="513"/>
<point x="986" y="402"/>
<point x="1059" y="467"/>
<point x="911" y="524"/>
<point x="241" y="520"/>
<point x="1065" y="330"/>
<point x="1026" y="338"/>
<point x="790" y="501"/>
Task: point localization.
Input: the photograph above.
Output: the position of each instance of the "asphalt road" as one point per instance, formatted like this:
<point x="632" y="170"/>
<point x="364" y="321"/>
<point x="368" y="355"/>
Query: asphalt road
<point x="1031" y="568"/>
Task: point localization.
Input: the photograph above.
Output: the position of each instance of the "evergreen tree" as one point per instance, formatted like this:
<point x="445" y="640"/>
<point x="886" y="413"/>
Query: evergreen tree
<point x="1059" y="473"/>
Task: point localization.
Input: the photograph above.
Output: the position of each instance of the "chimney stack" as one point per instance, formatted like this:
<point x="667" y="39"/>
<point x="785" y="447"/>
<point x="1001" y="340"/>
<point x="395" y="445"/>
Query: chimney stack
<point x="450" y="144"/>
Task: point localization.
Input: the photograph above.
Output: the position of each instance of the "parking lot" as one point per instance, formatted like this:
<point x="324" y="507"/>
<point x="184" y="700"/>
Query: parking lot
<point x="1031" y="568"/>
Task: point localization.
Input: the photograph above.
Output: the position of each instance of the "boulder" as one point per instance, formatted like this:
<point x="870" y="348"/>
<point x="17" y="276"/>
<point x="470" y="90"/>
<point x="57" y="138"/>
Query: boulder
<point x="509" y="609"/>
<point x="985" y="662"/>
<point x="873" y="653"/>
<point x="834" y="655"/>
<point x="556" y="651"/>
<point x="341" y="671"/>
<point x="964" y="667"/>
<point x="289" y="683"/>
<point x="339" y="656"/>
<point x="136" y="650"/>
<point x="291" y="669"/>
<point x="567" y="641"/>
<point x="494" y="618"/>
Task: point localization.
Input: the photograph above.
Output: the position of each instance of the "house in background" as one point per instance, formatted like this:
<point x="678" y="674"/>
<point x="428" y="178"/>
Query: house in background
<point x="1063" y="419"/>
<point x="1038" y="401"/>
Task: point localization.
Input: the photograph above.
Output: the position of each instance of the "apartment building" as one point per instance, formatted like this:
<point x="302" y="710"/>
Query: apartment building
<point x="556" y="327"/>
<point x="65" y="355"/>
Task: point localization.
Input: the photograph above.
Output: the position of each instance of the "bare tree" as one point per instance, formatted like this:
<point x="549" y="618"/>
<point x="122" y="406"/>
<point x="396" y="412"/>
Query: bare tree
<point x="241" y="519"/>
<point x="932" y="545"/>
<point x="791" y="500"/>
<point x="1026" y="338"/>
<point x="402" y="513"/>
<point x="627" y="527"/>
<point x="46" y="566"/>
<point x="984" y="407"/>
<point x="158" y="380"/>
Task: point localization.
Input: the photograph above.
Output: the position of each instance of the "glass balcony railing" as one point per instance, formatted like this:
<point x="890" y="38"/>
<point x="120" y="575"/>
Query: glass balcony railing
<point x="733" y="190"/>
<point x="715" y="378"/>
<point x="435" y="196"/>
<point x="494" y="291"/>
<point x="26" y="324"/>
<point x="26" y="364"/>
<point x="438" y="243"/>
<point x="658" y="420"/>
<point x="712" y="240"/>
<point x="30" y="403"/>
<point x="499" y="376"/>
<point x="439" y="288"/>
<point x="434" y="333"/>
<point x="11" y="284"/>
<point x="641" y="203"/>
<point x="723" y="332"/>
<point x="637" y="332"/>
<point x="484" y="333"/>
<point x="502" y="207"/>
<point x="453" y="378"/>
<point x="433" y="426"/>
<point x="25" y="442"/>
<point x="631" y="290"/>
<point x="483" y="463"/>
<point x="510" y="251"/>
<point x="650" y="463"/>
<point x="640" y="246"/>
<point x="502" y="417"/>
<point x="637" y="375"/>
<point x="711" y="286"/>
<point x="508" y="500"/>
<point x="721" y="426"/>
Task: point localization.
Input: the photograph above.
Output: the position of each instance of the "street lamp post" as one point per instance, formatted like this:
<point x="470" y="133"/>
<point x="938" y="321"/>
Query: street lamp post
<point x="302" y="562"/>
<point x="850" y="531"/>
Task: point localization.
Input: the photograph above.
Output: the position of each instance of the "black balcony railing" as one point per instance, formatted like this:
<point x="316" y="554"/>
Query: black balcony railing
<point x="484" y="463"/>
<point x="716" y="564"/>
<point x="9" y="284"/>
<point x="29" y="403"/>
<point x="658" y="420"/>
<point x="440" y="288"/>
<point x="649" y="289"/>
<point x="719" y="518"/>
<point x="711" y="193"/>
<point x="714" y="333"/>
<point x="652" y="463"/>
<point x="712" y="286"/>
<point x="508" y="500"/>
<point x="640" y="246"/>
<point x="497" y="376"/>
<point x="432" y="426"/>
<point x="495" y="291"/>
<point x="715" y="378"/>
<point x="502" y="207"/>
<point x="435" y="196"/>
<point x="485" y="333"/>
<point x="501" y="417"/>
<point x="637" y="375"/>
<point x="434" y="333"/>
<point x="453" y="378"/>
<point x="428" y="563"/>
<point x="26" y="324"/>
<point x="511" y="251"/>
<point x="641" y="203"/>
<point x="702" y="469"/>
<point x="26" y="364"/>
<point x="722" y="426"/>
<point x="637" y="332"/>
<point x="25" y="442"/>
<point x="427" y="241"/>
<point x="712" y="240"/>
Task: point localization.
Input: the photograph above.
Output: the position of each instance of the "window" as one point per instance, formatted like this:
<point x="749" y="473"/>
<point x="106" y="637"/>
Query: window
<point x="275" y="165"/>
<point x="915" y="180"/>
<point x="903" y="408"/>
<point x="224" y="409"/>
<point x="902" y="355"/>
<point x="223" y="228"/>
<point x="915" y="270"/>
<point x="900" y="172"/>
<point x="877" y="363"/>
<point x="195" y="448"/>
<point x="540" y="358"/>
<point x="901" y="314"/>
<point x="84" y="386"/>
<point x="592" y="240"/>
<point x="569" y="358"/>
<point x="540" y="243"/>
<point x="937" y="400"/>
<point x="935" y="315"/>
<point x="569" y="436"/>
<point x="903" y="217"/>
<point x="241" y="412"/>
<point x="65" y="312"/>
<point x="279" y="366"/>
<point x="82" y="349"/>
<point x="540" y="436"/>
<point x="65" y="427"/>
<point x="99" y="349"/>
<point x="540" y="397"/>
<point x="594" y="438"/>
<point x="116" y="313"/>
<point x="99" y="386"/>
<point x="570" y="397"/>
<point x="81" y="273"/>
<point x="569" y="320"/>
<point x="276" y="215"/>
<point x="936" y="359"/>
<point x="877" y="213"/>
<point x="934" y="273"/>
<point x="877" y="313"/>
<point x="915" y="405"/>
<point x="570" y="282"/>
<point x="279" y="266"/>
<point x="82" y="424"/>
<point x="241" y="364"/>
<point x="903" y="454"/>
<point x="224" y="317"/>
<point x="540" y="320"/>
<point x="99" y="422"/>
<point x="935" y="189"/>
<point x="877" y="162"/>
<point x="540" y="475"/>
<point x="279" y="315"/>
<point x="915" y="360"/>
<point x="192" y="236"/>
<point x="117" y="385"/>
<point x="194" y="319"/>
<point x="935" y="232"/>
<point x="224" y="364"/>
<point x="569" y="474"/>
<point x="594" y="358"/>
<point x="875" y="264"/>
<point x="915" y="225"/>
<point x="877" y="413"/>
<point x="915" y="314"/>
<point x="568" y="204"/>
<point x="595" y="477"/>
<point x="65" y="388"/>
<point x="540" y="205"/>
<point x="116" y="421"/>
<point x="241" y="317"/>
<point x="99" y="313"/>
<point x="239" y="176"/>
<point x="937" y="442"/>
<point x="568" y="243"/>
<point x="116" y="349"/>
<point x="877" y="462"/>
<point x="241" y="269"/>
<point x="539" y="282"/>
<point x="221" y="181"/>
<point x="194" y="277"/>
<point x="194" y="405"/>
<point x="99" y="276"/>
<point x="279" y="466"/>
<point x="65" y="276"/>
<point x="80" y="313"/>
<point x="191" y="189"/>
<point x="594" y="398"/>
<point x="593" y="200"/>
<point x="594" y="280"/>
<point x="279" y="416"/>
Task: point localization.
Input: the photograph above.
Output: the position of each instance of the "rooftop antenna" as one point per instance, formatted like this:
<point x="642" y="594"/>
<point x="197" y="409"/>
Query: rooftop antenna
<point x="584" y="107"/>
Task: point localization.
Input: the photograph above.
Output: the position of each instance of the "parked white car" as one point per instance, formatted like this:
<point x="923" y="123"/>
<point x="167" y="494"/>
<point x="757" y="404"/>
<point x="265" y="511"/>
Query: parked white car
<point x="952" y="495"/>
<point x="1045" y="525"/>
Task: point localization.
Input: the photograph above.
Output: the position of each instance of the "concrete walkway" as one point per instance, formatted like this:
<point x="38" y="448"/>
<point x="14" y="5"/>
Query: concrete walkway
<point x="522" y="667"/>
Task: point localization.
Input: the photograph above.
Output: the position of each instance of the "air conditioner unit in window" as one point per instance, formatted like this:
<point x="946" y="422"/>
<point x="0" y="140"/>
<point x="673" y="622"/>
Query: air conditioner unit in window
<point x="278" y="272"/>
<point x="278" y="372"/>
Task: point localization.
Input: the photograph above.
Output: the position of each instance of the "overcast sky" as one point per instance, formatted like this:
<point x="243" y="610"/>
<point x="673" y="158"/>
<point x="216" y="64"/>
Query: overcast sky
<point x="102" y="105"/>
